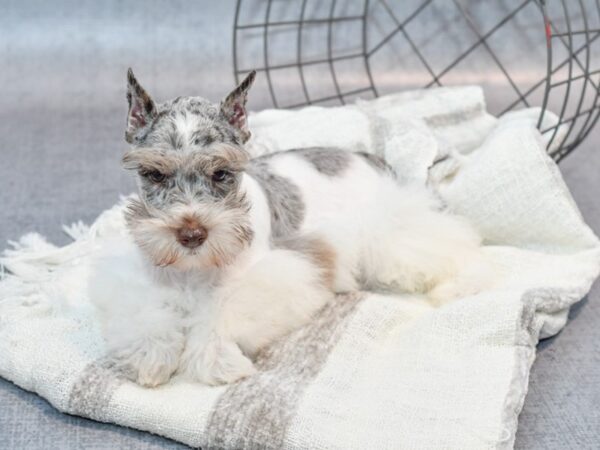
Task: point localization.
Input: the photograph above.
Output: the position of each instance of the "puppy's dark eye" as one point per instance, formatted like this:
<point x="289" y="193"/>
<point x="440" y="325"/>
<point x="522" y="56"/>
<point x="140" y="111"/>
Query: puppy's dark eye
<point x="220" y="175"/>
<point x="155" y="176"/>
<point x="204" y="140"/>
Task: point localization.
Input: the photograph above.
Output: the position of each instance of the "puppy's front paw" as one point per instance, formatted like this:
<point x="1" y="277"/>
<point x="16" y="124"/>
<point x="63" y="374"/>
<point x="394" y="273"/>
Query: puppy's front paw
<point x="149" y="364"/>
<point x="219" y="362"/>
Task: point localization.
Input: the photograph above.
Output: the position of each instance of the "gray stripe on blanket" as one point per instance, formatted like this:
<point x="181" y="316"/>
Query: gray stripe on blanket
<point x="256" y="413"/>
<point x="93" y="391"/>
<point x="454" y="118"/>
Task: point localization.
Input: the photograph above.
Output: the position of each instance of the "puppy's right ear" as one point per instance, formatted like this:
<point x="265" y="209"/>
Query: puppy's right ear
<point x="142" y="110"/>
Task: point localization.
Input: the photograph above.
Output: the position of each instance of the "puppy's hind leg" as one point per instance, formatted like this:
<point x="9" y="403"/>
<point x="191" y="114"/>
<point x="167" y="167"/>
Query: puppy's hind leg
<point x="276" y="295"/>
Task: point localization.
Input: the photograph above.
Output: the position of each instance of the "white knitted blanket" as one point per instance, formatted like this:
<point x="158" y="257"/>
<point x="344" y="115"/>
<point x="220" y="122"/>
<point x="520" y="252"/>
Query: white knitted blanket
<point x="373" y="371"/>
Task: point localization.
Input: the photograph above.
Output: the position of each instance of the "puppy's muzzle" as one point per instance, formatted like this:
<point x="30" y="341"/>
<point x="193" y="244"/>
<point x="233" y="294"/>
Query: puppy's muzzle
<point x="192" y="236"/>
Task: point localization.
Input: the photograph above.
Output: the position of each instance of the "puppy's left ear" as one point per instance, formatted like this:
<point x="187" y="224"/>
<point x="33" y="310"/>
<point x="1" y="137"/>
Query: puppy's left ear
<point x="233" y="108"/>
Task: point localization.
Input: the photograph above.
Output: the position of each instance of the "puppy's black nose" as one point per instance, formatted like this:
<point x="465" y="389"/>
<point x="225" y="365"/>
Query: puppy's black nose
<point x="191" y="236"/>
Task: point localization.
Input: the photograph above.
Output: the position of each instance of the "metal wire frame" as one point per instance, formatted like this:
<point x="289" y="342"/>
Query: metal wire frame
<point x="557" y="40"/>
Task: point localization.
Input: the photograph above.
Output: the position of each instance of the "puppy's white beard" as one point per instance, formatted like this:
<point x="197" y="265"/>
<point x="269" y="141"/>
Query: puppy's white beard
<point x="156" y="241"/>
<point x="228" y="235"/>
<point x="164" y="250"/>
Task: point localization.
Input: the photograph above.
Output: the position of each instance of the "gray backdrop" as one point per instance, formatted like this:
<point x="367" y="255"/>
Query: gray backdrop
<point x="62" y="115"/>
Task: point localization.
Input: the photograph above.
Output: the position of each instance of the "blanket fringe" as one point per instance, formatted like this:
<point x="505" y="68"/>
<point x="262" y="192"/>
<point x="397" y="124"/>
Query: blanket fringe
<point x="27" y="272"/>
<point x="32" y="258"/>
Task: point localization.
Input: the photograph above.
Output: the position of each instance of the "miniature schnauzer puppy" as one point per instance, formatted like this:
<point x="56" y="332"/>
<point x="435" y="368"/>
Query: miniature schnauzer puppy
<point x="226" y="254"/>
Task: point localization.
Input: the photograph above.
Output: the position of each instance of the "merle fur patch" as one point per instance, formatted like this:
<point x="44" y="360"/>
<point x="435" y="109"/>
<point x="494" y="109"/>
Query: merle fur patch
<point x="328" y="161"/>
<point x="188" y="123"/>
<point x="376" y="162"/>
<point x="284" y="197"/>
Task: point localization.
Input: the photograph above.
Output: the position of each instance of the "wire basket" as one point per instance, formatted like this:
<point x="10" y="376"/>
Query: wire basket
<point x="523" y="52"/>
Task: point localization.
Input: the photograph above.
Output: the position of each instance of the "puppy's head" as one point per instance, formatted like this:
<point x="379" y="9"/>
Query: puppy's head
<point x="188" y="155"/>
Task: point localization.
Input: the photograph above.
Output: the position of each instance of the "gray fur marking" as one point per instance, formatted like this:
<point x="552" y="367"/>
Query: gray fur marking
<point x="376" y="162"/>
<point x="285" y="201"/>
<point x="328" y="161"/>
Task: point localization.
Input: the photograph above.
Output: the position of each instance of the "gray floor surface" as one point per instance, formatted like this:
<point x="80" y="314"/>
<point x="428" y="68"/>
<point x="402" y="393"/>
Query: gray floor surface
<point x="62" y="114"/>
